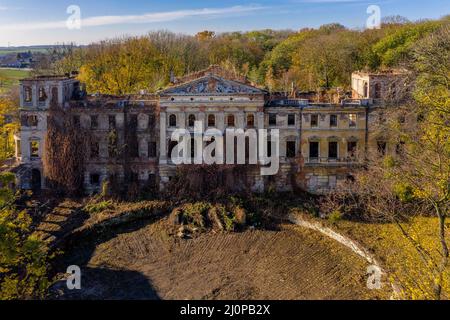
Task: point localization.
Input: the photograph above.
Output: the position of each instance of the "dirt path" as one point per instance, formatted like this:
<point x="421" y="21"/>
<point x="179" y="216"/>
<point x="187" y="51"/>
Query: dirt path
<point x="292" y="263"/>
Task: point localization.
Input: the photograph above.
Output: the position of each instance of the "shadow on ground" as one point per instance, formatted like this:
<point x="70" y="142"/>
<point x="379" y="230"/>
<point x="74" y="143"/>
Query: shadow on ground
<point x="107" y="284"/>
<point x="99" y="283"/>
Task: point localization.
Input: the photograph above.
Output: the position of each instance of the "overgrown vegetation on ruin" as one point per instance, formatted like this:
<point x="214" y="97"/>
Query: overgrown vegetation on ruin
<point x="66" y="150"/>
<point x="211" y="182"/>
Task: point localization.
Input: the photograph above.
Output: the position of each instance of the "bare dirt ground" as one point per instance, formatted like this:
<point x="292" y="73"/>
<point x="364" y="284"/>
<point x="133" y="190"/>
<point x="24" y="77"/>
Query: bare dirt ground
<point x="144" y="262"/>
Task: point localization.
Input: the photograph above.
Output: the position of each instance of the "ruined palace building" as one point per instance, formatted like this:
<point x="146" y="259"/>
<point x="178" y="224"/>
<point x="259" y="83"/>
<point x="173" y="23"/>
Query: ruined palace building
<point x="320" y="143"/>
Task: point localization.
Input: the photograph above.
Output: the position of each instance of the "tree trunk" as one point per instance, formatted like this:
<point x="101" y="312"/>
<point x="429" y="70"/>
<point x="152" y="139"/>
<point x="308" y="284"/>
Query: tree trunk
<point x="444" y="251"/>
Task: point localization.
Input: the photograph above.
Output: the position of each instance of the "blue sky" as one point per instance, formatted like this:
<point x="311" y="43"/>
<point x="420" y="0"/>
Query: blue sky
<point x="31" y="22"/>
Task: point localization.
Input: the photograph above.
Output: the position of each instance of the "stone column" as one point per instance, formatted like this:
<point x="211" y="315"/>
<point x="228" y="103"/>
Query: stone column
<point x="240" y="118"/>
<point x="201" y="116"/>
<point x="22" y="100"/>
<point x="220" y="121"/>
<point x="34" y="95"/>
<point x="162" y="138"/>
<point x="181" y="120"/>
<point x="260" y="120"/>
<point x="60" y="94"/>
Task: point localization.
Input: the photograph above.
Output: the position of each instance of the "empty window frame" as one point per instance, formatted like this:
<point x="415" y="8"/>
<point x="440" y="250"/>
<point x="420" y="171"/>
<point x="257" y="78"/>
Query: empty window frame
<point x="27" y="94"/>
<point x="34" y="149"/>
<point x="313" y="149"/>
<point x="152" y="149"/>
<point x="42" y="94"/>
<point x="314" y="120"/>
<point x="191" y="121"/>
<point x="352" y="118"/>
<point x="133" y="121"/>
<point x="290" y="149"/>
<point x="272" y="119"/>
<point x="250" y="120"/>
<point x="377" y="91"/>
<point x="211" y="120"/>
<point x="172" y="120"/>
<point x="32" y="121"/>
<point x="352" y="148"/>
<point x="332" y="149"/>
<point x="230" y="120"/>
<point x="76" y="121"/>
<point x="94" y="122"/>
<point x="333" y="121"/>
<point x="95" y="179"/>
<point x="291" y="120"/>
<point x="151" y="121"/>
<point x="112" y="122"/>
<point x="95" y="149"/>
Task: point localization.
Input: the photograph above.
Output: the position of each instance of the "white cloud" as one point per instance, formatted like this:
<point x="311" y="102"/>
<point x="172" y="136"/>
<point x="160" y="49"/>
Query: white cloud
<point x="143" y="18"/>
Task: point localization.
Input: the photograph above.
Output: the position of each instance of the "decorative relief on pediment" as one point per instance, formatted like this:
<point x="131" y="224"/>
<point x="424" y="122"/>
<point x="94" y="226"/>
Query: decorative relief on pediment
<point x="212" y="85"/>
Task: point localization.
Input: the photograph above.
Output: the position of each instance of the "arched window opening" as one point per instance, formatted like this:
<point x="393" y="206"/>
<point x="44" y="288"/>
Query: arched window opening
<point x="42" y="94"/>
<point x="366" y="90"/>
<point x="27" y="94"/>
<point x="211" y="120"/>
<point x="191" y="120"/>
<point x="250" y="120"/>
<point x="378" y="91"/>
<point x="173" y="120"/>
<point x="231" y="120"/>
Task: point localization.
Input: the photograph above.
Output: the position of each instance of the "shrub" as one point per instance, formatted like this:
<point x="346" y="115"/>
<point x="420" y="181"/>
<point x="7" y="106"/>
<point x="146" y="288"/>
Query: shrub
<point x="335" y="216"/>
<point x="228" y="220"/>
<point x="99" y="206"/>
<point x="106" y="189"/>
<point x="404" y="192"/>
<point x="240" y="216"/>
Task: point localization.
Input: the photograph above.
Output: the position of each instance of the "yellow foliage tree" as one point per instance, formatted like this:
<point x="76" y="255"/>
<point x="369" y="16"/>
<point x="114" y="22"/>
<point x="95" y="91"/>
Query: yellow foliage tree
<point x="9" y="125"/>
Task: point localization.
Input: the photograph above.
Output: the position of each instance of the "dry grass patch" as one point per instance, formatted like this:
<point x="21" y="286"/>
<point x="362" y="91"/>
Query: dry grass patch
<point x="397" y="254"/>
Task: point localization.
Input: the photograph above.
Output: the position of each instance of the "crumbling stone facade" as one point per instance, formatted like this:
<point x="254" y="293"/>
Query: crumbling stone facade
<point x="130" y="137"/>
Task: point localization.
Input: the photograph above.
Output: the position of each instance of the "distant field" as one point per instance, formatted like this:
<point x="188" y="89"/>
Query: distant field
<point x="19" y="50"/>
<point x="10" y="78"/>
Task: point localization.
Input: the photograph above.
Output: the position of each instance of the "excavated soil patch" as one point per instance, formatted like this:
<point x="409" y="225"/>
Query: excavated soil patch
<point x="292" y="263"/>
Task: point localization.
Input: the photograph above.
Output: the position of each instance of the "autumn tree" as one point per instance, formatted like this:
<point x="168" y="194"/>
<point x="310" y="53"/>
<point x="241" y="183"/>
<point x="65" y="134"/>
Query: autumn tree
<point x="413" y="179"/>
<point x="9" y="125"/>
<point x="23" y="257"/>
<point x="205" y="35"/>
<point x="326" y="60"/>
<point x="122" y="66"/>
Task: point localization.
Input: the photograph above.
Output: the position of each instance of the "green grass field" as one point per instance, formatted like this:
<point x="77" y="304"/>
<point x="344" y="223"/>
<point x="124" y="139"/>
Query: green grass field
<point x="10" y="78"/>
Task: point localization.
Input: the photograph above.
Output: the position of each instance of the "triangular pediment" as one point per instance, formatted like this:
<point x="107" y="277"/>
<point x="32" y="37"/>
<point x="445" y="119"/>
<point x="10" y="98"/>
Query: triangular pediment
<point x="212" y="85"/>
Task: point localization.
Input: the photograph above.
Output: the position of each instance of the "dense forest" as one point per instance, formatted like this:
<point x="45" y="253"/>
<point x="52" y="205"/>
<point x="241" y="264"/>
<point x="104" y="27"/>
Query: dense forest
<point x="277" y="60"/>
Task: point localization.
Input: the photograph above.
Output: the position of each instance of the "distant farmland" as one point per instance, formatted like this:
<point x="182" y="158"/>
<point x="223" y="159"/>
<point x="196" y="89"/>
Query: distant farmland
<point x="5" y="51"/>
<point x="10" y="78"/>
